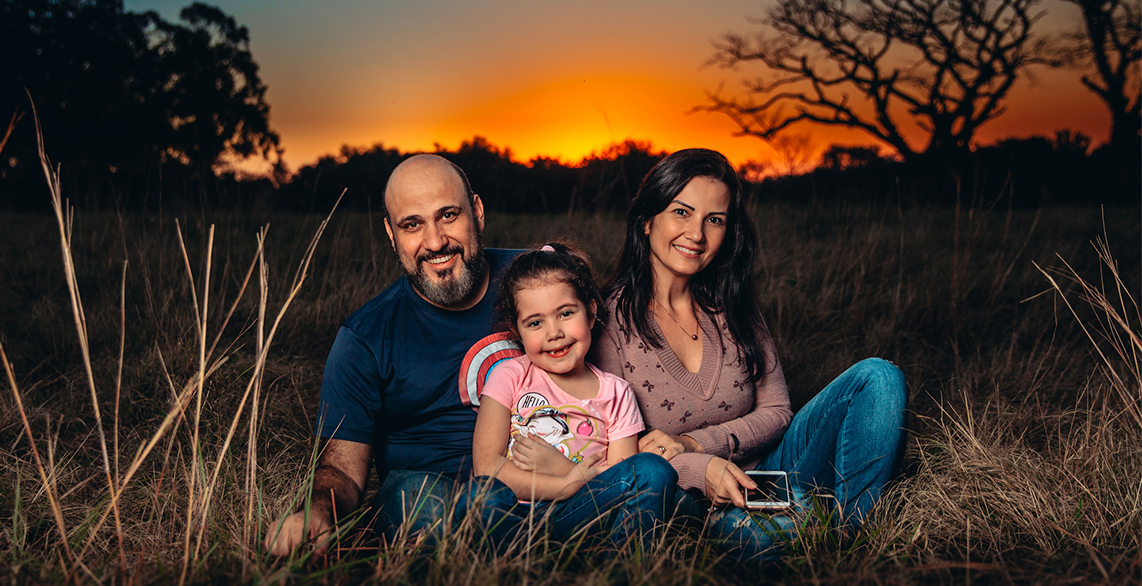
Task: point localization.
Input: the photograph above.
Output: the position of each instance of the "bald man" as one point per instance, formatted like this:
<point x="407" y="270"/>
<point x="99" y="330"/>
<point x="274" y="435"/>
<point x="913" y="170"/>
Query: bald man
<point x="389" y="392"/>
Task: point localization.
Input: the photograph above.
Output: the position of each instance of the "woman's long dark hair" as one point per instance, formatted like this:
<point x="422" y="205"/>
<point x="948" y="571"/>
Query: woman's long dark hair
<point x="726" y="286"/>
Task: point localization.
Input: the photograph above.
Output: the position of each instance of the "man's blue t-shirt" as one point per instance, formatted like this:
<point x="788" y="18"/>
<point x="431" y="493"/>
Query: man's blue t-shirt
<point x="391" y="379"/>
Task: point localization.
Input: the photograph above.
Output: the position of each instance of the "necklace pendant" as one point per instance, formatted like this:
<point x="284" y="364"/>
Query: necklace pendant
<point x="694" y="337"/>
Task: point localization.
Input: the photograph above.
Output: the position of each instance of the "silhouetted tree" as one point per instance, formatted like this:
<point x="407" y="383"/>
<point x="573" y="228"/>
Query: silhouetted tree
<point x="502" y="183"/>
<point x="361" y="171"/>
<point x="753" y="171"/>
<point x="553" y="182"/>
<point x="610" y="178"/>
<point x="125" y="98"/>
<point x="881" y="66"/>
<point x="212" y="95"/>
<point x="794" y="151"/>
<point x="847" y="157"/>
<point x="1109" y="49"/>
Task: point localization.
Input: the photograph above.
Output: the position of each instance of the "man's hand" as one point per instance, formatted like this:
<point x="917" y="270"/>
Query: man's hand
<point x="338" y="485"/>
<point x="725" y="481"/>
<point x="284" y="536"/>
<point x="666" y="445"/>
<point x="535" y="455"/>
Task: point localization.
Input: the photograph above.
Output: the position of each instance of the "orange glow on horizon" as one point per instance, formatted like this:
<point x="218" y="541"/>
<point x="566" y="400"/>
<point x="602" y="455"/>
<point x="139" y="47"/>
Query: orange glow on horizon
<point x="558" y="80"/>
<point x="571" y="117"/>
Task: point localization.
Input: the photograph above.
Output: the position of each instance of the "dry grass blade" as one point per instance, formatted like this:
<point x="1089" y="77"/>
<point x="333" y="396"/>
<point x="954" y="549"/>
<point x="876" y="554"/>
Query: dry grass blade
<point x="62" y="209"/>
<point x="47" y="483"/>
<point x="201" y="314"/>
<point x="260" y="362"/>
<point x="249" y="531"/>
<point x="115" y="419"/>
<point x="180" y="400"/>
<point x="1117" y="325"/>
<point x="234" y="306"/>
<point x="16" y="116"/>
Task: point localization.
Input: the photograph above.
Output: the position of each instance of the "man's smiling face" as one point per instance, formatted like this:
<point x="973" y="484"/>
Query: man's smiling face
<point x="435" y="231"/>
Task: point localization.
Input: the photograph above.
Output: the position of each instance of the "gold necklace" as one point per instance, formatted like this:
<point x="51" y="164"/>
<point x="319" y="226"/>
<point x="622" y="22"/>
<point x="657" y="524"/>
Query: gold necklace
<point x="693" y="336"/>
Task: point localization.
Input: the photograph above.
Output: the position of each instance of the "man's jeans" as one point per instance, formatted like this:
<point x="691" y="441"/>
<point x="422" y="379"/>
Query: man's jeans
<point x="627" y="502"/>
<point x="847" y="441"/>
<point x="416" y="499"/>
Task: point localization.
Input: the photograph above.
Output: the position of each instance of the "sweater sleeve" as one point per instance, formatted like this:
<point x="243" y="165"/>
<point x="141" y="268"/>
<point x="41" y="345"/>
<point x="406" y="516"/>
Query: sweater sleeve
<point x="739" y="440"/>
<point x="691" y="468"/>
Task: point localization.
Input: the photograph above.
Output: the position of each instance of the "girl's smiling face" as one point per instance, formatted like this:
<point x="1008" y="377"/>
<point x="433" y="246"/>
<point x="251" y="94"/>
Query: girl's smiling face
<point x="554" y="325"/>
<point x="686" y="236"/>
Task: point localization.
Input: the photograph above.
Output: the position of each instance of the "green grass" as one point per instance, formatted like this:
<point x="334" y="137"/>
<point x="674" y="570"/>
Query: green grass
<point x="1023" y="465"/>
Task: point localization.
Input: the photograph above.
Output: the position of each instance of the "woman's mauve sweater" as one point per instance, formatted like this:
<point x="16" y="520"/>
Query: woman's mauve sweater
<point x="717" y="406"/>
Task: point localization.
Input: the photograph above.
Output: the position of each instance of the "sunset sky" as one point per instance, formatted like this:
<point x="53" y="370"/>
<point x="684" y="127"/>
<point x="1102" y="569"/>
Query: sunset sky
<point x="559" y="79"/>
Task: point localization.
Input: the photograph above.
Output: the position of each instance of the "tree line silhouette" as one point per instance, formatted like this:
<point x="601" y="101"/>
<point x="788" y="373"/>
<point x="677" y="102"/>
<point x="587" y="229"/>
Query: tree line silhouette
<point x="144" y="113"/>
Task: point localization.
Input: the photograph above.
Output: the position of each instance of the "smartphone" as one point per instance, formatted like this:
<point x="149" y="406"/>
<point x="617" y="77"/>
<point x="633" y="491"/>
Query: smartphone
<point x="772" y="493"/>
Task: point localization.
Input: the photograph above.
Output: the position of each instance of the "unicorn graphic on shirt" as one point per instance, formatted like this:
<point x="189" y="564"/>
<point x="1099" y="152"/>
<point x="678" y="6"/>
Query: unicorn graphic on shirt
<point x="543" y="421"/>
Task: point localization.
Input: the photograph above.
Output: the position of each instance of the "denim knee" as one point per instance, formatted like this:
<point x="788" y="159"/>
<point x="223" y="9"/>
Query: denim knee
<point x="651" y="471"/>
<point x="414" y="499"/>
<point x="754" y="537"/>
<point x="492" y="508"/>
<point x="884" y="379"/>
<point x="486" y="492"/>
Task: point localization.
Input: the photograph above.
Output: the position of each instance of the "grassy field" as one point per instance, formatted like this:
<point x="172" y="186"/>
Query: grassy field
<point x="172" y="421"/>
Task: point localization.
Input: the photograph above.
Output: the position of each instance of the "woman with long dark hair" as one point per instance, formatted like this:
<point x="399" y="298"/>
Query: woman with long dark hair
<point x="688" y="335"/>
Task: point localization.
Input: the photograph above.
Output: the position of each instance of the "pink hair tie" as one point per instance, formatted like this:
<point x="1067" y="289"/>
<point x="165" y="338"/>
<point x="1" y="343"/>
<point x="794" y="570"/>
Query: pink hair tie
<point x="547" y="248"/>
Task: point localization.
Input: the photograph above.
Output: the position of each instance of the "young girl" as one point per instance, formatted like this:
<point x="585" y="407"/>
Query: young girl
<point x="549" y="300"/>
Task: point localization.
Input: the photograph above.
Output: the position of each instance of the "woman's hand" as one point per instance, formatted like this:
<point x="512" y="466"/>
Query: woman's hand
<point x="535" y="455"/>
<point x="725" y="481"/>
<point x="666" y="445"/>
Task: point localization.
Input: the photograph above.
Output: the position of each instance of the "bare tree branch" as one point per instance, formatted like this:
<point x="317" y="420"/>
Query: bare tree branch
<point x="881" y="66"/>
<point x="1109" y="48"/>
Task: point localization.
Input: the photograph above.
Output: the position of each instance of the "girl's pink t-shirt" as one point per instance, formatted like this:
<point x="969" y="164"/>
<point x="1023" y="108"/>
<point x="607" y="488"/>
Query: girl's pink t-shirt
<point x="577" y="428"/>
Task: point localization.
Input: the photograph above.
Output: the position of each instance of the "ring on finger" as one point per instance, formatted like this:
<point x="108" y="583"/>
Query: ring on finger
<point x="662" y="449"/>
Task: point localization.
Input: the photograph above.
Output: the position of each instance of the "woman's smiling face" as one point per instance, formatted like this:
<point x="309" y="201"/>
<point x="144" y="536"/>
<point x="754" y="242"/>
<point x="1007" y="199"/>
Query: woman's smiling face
<point x="686" y="236"/>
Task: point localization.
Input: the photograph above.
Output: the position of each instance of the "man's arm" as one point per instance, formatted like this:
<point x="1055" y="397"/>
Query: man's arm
<point x="338" y="486"/>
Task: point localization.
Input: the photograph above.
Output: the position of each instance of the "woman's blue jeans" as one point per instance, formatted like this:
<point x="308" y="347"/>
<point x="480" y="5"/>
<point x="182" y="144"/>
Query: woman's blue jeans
<point x="848" y="441"/>
<point x="627" y="502"/>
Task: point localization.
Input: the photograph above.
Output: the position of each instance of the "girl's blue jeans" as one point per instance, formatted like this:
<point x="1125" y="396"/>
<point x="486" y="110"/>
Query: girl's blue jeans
<point x="847" y="442"/>
<point x="626" y="503"/>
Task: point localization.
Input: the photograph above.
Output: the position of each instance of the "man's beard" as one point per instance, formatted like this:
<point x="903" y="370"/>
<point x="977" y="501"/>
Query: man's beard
<point x="450" y="292"/>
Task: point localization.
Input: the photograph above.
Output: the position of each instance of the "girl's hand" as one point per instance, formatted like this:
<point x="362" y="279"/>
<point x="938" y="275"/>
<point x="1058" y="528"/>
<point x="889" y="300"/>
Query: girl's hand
<point x="666" y="445"/>
<point x="725" y="481"/>
<point x="535" y="455"/>
<point x="580" y="474"/>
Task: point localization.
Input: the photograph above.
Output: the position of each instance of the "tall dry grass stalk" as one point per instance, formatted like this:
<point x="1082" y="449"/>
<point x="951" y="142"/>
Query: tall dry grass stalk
<point x="63" y="216"/>
<point x="202" y="482"/>
<point x="264" y="340"/>
<point x="1114" y="331"/>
